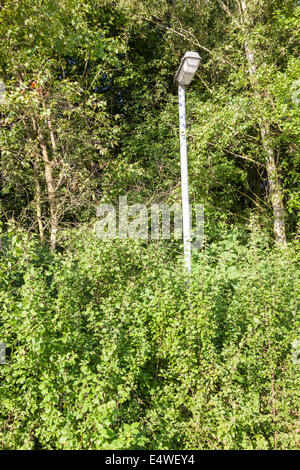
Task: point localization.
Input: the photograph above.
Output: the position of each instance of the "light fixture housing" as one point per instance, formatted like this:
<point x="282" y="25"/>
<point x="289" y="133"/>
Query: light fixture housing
<point x="188" y="67"/>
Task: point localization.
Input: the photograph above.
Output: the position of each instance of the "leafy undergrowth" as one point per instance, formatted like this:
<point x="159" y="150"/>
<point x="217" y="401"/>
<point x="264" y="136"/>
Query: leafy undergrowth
<point x="109" y="346"/>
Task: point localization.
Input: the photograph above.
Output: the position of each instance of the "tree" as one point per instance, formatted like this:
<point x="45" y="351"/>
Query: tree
<point x="91" y="95"/>
<point x="56" y="131"/>
<point x="243" y="138"/>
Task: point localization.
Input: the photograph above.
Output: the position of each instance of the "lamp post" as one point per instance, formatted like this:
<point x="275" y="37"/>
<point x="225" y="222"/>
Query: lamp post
<point x="184" y="75"/>
<point x="2" y="92"/>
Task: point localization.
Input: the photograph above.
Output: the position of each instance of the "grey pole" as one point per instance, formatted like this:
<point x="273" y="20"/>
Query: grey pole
<point x="2" y="92"/>
<point x="184" y="181"/>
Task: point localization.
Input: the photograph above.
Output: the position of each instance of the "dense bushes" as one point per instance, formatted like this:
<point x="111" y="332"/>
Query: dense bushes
<point x="108" y="347"/>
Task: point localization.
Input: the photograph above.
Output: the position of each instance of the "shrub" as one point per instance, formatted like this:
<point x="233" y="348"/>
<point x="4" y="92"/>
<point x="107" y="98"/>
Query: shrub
<point x="110" y="346"/>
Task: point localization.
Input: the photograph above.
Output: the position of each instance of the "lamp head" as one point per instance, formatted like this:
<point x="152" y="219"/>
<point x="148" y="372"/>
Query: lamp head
<point x="188" y="67"/>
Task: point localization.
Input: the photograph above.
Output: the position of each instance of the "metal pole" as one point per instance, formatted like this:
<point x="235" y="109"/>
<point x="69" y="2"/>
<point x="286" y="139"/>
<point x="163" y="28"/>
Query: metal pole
<point x="184" y="181"/>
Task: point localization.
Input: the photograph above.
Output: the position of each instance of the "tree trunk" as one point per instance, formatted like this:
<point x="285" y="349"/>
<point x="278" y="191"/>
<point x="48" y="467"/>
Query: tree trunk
<point x="276" y="194"/>
<point x="48" y="172"/>
<point x="52" y="203"/>
<point x="38" y="202"/>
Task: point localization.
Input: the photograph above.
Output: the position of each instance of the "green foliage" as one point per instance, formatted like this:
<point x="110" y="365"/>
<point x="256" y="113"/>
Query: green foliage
<point x="53" y="57"/>
<point x="109" y="346"/>
<point x="100" y="73"/>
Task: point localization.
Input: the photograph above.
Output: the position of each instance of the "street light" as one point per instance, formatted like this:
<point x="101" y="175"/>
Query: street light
<point x="184" y="75"/>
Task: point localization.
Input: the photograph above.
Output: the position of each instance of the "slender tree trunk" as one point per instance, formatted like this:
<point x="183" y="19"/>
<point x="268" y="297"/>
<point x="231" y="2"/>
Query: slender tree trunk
<point x="48" y="172"/>
<point x="276" y="194"/>
<point x="52" y="204"/>
<point x="38" y="201"/>
<point x="52" y="188"/>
